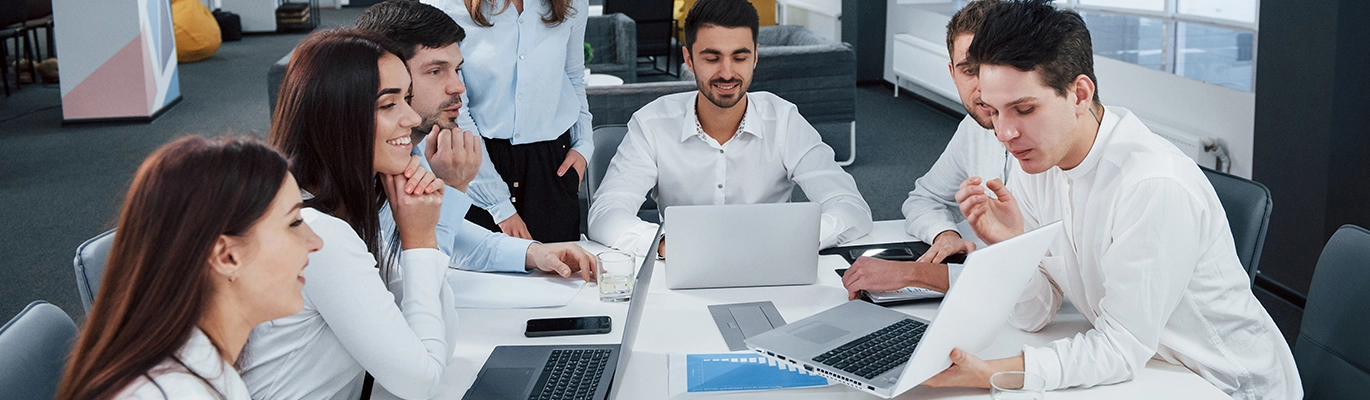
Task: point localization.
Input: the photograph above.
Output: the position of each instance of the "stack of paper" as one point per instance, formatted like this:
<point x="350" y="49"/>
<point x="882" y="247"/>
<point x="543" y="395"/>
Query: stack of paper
<point x="735" y="372"/>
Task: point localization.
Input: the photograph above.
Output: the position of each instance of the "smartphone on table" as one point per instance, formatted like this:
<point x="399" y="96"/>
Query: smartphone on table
<point x="568" y="326"/>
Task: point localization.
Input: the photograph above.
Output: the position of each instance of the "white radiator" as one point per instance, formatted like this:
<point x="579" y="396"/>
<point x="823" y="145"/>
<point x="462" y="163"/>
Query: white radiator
<point x="1205" y="151"/>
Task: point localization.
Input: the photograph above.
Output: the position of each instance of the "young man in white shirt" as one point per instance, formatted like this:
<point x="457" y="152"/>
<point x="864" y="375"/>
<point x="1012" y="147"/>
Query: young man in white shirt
<point x="721" y="145"/>
<point x="1146" y="254"/>
<point x="431" y="40"/>
<point x="930" y="213"/>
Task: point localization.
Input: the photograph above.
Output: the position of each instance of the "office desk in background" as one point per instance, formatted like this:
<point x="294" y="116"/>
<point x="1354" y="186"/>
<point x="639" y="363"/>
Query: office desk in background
<point x="678" y="321"/>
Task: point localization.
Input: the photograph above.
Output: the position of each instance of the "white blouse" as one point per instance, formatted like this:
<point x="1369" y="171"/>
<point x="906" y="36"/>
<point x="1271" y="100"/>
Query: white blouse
<point x="352" y="324"/>
<point x="201" y="374"/>
<point x="1147" y="256"/>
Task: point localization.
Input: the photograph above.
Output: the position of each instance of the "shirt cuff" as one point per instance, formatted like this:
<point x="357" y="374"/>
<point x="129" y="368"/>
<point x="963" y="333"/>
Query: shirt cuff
<point x="501" y="211"/>
<point x="586" y="148"/>
<point x="830" y="228"/>
<point x="1045" y="363"/>
<point x="510" y="255"/>
<point x="930" y="234"/>
<point x="953" y="273"/>
<point x="423" y="264"/>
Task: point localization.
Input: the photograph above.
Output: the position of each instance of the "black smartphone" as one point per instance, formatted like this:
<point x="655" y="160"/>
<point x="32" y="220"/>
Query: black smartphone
<point x="568" y="326"/>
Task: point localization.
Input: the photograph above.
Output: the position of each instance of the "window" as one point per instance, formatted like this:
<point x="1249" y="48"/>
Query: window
<point x="1127" y="38"/>
<point x="1215" y="55"/>
<point x="1232" y="10"/>
<point x="1146" y="5"/>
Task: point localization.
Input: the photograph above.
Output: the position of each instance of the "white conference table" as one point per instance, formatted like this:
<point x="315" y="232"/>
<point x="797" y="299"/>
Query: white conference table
<point x="678" y="321"/>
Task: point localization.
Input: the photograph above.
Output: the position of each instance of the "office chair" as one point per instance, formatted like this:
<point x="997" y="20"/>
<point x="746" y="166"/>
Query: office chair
<point x="1247" y="204"/>
<point x="607" y="138"/>
<point x="1332" y="352"/>
<point x="655" y="24"/>
<point x="33" y="351"/>
<point x="90" y="265"/>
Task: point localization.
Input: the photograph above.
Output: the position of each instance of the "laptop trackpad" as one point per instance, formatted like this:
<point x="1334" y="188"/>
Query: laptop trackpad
<point x="819" y="332"/>
<point x="503" y="383"/>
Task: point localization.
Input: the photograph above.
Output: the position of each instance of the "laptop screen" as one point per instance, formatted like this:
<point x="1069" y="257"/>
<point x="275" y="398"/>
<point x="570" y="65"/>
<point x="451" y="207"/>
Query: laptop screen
<point x="635" y="305"/>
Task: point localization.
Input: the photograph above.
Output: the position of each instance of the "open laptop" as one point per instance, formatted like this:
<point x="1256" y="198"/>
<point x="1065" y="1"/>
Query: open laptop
<point x="887" y="352"/>
<point x="564" y="371"/>
<point x="742" y="245"/>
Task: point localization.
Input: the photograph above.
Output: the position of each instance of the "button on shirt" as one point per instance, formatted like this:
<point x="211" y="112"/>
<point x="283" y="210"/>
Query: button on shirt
<point x="666" y="153"/>
<point x="1148" y="258"/>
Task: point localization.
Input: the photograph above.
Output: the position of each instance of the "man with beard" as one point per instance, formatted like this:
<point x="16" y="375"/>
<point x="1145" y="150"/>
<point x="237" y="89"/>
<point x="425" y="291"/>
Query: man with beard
<point x="430" y="42"/>
<point x="721" y="145"/>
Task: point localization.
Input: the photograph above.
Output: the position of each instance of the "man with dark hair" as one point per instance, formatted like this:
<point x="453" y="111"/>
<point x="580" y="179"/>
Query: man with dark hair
<point x="429" y="43"/>
<point x="721" y="145"/>
<point x="931" y="213"/>
<point x="1146" y="255"/>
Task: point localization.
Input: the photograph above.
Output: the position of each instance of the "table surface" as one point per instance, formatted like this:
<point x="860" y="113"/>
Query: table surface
<point x="678" y="321"/>
<point x="602" y="80"/>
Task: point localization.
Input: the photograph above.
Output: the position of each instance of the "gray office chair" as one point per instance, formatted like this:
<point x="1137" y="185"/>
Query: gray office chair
<point x="1332" y="353"/>
<point x="607" y="138"/>
<point x="33" y="350"/>
<point x="1247" y="204"/>
<point x="90" y="265"/>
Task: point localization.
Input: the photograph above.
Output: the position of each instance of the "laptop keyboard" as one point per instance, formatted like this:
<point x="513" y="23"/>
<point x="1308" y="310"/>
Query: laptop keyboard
<point x="571" y="374"/>
<point x="873" y="354"/>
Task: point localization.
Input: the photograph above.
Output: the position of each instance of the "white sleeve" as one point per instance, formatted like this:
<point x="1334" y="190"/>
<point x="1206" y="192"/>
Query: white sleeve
<point x="613" y="211"/>
<point x="931" y="207"/>
<point x="1039" y="302"/>
<point x="1146" y="268"/>
<point x="811" y="165"/>
<point x="405" y="347"/>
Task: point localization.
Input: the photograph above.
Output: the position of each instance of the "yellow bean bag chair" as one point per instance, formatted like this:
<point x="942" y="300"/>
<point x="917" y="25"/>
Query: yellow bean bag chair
<point x="197" y="33"/>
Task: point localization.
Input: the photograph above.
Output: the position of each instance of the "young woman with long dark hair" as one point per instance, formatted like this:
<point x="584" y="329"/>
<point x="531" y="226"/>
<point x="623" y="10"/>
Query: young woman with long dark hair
<point x="344" y="121"/>
<point x="210" y="244"/>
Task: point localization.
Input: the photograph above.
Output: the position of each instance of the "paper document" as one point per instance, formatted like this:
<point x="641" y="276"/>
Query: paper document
<point x="511" y="290"/>
<point x="734" y="372"/>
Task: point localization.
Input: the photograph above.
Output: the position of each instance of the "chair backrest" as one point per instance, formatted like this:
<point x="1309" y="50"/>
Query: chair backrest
<point x="1332" y="352"/>
<point x="33" y="350"/>
<point x="655" y="22"/>
<point x="1247" y="204"/>
<point x="90" y="265"/>
<point x="13" y="12"/>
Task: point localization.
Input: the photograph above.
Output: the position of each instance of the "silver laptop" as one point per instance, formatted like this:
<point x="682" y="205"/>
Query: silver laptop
<point x="742" y="245"/>
<point x="581" y="372"/>
<point x="887" y="352"/>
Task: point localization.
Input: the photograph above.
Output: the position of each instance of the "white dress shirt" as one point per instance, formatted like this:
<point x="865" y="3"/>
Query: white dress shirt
<point x="352" y="324"/>
<point x="525" y="81"/>
<point x="1147" y="256"/>
<point x="973" y="151"/>
<point x="201" y="374"/>
<point x="667" y="154"/>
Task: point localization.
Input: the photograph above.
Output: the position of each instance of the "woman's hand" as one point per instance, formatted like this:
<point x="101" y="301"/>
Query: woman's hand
<point x="415" y="208"/>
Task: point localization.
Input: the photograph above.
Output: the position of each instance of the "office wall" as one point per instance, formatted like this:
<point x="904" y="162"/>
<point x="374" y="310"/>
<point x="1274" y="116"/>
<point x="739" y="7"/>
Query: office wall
<point x="1311" y="140"/>
<point x="1164" y="101"/>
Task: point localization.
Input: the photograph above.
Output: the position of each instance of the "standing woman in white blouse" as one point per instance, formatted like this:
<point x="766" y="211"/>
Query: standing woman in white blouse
<point x="344" y="122"/>
<point x="525" y="74"/>
<point x="210" y="244"/>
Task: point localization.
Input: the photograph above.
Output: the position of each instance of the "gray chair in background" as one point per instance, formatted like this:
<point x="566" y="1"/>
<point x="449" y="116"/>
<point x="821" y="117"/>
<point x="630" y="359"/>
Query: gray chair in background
<point x="613" y="38"/>
<point x="615" y="105"/>
<point x="816" y="74"/>
<point x="1332" y="353"/>
<point x="1247" y="204"/>
<point x="33" y="351"/>
<point x="90" y="265"/>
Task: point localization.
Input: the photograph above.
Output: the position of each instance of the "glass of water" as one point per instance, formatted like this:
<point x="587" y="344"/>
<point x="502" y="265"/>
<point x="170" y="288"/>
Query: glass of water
<point x="1016" y="385"/>
<point x="615" y="271"/>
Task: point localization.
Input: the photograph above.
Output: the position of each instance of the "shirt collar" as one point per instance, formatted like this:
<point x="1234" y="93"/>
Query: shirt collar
<point x="201" y="357"/>
<point x="1096" y="151"/>
<point x="751" y="122"/>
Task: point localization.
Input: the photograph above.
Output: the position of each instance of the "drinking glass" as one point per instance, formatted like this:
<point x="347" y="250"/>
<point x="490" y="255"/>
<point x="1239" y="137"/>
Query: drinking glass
<point x="1016" y="385"/>
<point x="616" y="270"/>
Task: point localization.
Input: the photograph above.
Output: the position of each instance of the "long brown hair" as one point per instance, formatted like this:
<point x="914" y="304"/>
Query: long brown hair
<point x="558" y="11"/>
<point x="157" y="282"/>
<point x="325" y="123"/>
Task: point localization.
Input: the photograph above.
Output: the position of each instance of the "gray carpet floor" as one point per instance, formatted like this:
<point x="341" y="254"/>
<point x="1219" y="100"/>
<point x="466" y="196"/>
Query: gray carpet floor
<point x="60" y="185"/>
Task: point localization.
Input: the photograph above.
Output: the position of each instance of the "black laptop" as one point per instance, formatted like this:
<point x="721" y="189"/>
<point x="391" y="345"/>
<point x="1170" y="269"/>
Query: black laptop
<point x="564" y="372"/>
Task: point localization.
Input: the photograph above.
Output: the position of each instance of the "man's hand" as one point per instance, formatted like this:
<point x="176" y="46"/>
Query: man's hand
<point x="561" y="259"/>
<point x="514" y="226"/>
<point x="455" y="157"/>
<point x="661" y="249"/>
<point x="994" y="220"/>
<point x="573" y="160"/>
<point x="967" y="370"/>
<point x="946" y="244"/>
<point x="873" y="274"/>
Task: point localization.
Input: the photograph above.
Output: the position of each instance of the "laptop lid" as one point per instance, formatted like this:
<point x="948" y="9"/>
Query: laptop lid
<point x="974" y="310"/>
<point x="742" y="245"/>
<point x="635" y="306"/>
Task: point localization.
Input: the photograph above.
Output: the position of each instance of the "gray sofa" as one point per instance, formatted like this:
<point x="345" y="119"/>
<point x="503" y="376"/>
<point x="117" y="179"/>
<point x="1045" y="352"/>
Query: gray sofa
<point x="613" y="38"/>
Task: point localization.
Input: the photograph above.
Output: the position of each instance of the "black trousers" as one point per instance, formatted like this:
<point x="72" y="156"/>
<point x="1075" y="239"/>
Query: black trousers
<point x="549" y="204"/>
